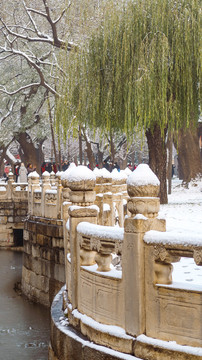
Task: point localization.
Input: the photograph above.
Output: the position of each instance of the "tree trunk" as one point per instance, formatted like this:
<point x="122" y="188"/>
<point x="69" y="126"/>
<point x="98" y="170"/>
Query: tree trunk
<point x="189" y="163"/>
<point x="170" y="156"/>
<point x="53" y="137"/>
<point x="100" y="155"/>
<point x="158" y="159"/>
<point x="89" y="151"/>
<point x="112" y="149"/>
<point x="80" y="146"/>
<point x="3" y="150"/>
<point x="30" y="154"/>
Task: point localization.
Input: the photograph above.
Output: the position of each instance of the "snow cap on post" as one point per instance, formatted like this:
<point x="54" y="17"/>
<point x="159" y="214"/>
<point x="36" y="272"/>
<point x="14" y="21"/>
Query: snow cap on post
<point x="64" y="175"/>
<point x="33" y="175"/>
<point x="103" y="176"/>
<point x="143" y="182"/>
<point x="81" y="178"/>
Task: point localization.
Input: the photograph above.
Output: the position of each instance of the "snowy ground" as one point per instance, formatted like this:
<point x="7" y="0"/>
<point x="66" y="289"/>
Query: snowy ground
<point x="184" y="214"/>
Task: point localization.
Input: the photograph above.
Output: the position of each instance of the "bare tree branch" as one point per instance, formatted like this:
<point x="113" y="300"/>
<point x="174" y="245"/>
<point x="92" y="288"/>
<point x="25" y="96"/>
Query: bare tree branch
<point x="10" y="110"/>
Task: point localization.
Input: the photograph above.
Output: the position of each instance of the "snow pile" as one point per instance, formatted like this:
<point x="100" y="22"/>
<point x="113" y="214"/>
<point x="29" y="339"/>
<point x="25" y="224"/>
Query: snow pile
<point x="143" y="175"/>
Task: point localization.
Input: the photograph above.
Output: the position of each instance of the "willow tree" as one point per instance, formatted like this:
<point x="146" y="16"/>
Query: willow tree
<point x="140" y="67"/>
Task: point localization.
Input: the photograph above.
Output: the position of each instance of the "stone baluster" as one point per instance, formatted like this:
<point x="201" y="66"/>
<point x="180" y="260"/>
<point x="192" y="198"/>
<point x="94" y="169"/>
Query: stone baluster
<point x="81" y="196"/>
<point x="118" y="201"/>
<point x="10" y="187"/>
<point x="59" y="195"/>
<point x="45" y="186"/>
<point x="103" y="259"/>
<point x="33" y="184"/>
<point x="99" y="203"/>
<point x="163" y="267"/>
<point x="87" y="255"/>
<point x="143" y="204"/>
<point x="103" y="185"/>
<point x="63" y="211"/>
<point x="52" y="179"/>
<point x="108" y="199"/>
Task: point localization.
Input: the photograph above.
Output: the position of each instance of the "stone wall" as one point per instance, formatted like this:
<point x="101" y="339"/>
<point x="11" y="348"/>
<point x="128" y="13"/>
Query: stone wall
<point x="12" y="215"/>
<point x="43" y="272"/>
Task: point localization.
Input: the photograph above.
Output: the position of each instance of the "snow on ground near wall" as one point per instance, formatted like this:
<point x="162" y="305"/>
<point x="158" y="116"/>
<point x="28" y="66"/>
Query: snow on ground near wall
<point x="183" y="214"/>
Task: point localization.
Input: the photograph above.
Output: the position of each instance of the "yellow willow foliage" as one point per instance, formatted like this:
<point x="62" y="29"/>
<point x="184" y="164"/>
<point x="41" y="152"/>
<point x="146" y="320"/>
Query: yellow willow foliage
<point x="141" y="66"/>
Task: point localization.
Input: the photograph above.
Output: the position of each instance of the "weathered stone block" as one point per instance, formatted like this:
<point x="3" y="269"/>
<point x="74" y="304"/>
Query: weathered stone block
<point x="43" y="240"/>
<point x="59" y="273"/>
<point x="25" y="235"/>
<point x="4" y="219"/>
<point x="35" y="251"/>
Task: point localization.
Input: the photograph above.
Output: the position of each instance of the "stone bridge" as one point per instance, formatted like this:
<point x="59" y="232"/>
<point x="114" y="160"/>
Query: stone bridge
<point x="119" y="300"/>
<point x="13" y="212"/>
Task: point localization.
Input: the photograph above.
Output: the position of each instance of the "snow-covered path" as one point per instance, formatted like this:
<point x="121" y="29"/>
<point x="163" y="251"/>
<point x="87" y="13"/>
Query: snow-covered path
<point x="184" y="215"/>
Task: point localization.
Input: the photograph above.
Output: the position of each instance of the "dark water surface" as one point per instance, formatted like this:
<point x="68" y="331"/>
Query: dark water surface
<point x="24" y="326"/>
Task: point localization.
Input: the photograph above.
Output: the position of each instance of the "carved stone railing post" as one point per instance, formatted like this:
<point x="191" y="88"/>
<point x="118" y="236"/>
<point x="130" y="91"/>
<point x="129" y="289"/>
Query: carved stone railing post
<point x="64" y="203"/>
<point x="33" y="184"/>
<point x="52" y="179"/>
<point x="81" y="182"/>
<point x="108" y="199"/>
<point x="59" y="195"/>
<point x="143" y="203"/>
<point x="103" y="185"/>
<point x="10" y="182"/>
<point x="118" y="201"/>
<point x="45" y="186"/>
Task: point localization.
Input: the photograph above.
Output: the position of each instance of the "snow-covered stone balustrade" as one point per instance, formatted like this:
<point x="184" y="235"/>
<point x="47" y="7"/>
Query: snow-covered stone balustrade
<point x="49" y="196"/>
<point x="13" y="211"/>
<point x="44" y="196"/>
<point x="134" y="309"/>
<point x="13" y="191"/>
<point x="177" y="304"/>
<point x="111" y="195"/>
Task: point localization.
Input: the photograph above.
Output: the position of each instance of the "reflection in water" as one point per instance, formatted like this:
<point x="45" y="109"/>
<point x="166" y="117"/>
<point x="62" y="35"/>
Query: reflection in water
<point x="24" y="326"/>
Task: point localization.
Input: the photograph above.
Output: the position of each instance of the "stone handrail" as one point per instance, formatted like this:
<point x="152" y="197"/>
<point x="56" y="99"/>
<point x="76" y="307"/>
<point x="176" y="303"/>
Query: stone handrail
<point x="55" y="192"/>
<point x="13" y="191"/>
<point x="98" y="243"/>
<point x="143" y="292"/>
<point x="183" y="311"/>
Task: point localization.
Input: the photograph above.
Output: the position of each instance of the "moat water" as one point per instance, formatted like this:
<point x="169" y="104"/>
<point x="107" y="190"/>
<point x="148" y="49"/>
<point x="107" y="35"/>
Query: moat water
<point x="24" y="326"/>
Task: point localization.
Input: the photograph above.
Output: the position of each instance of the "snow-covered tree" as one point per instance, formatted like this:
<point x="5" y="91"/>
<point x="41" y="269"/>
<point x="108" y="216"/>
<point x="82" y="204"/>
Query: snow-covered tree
<point x="141" y="67"/>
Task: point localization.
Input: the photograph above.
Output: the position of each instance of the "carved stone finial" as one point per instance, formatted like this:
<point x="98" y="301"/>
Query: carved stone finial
<point x="143" y="188"/>
<point x="46" y="177"/>
<point x="81" y="181"/>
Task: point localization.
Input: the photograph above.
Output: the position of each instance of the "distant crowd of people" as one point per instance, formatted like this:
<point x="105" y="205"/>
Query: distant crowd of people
<point x="111" y="166"/>
<point x="52" y="166"/>
<point x="21" y="171"/>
